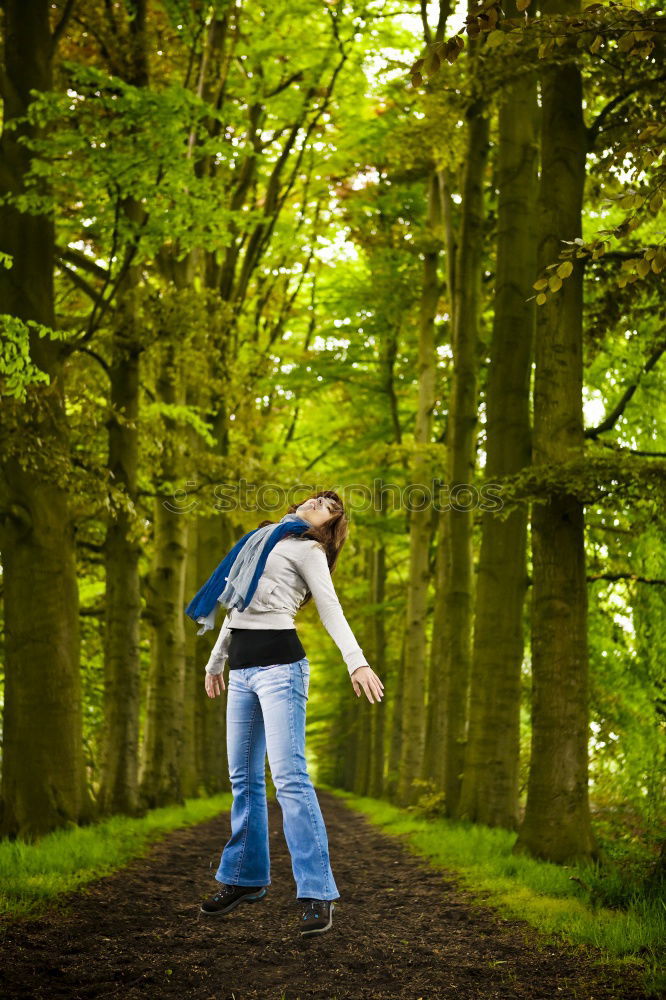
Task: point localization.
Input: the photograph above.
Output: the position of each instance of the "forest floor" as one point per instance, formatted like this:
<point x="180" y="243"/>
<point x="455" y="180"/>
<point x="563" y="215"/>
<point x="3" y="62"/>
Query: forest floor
<point x="401" y="931"/>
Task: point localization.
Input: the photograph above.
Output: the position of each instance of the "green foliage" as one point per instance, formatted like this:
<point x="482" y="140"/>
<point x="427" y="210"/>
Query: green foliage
<point x="626" y="877"/>
<point x="103" y="141"/>
<point x="431" y="803"/>
<point x="609" y="480"/>
<point x="17" y="370"/>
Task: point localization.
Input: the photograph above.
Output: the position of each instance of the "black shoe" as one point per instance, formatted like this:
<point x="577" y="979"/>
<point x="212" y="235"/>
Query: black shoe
<point x="317" y="916"/>
<point x="228" y="897"/>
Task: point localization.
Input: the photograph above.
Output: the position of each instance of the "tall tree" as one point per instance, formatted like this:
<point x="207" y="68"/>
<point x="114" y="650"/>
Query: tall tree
<point x="461" y="434"/>
<point x="420" y="516"/>
<point x="439" y="667"/>
<point x="489" y="792"/>
<point x="163" y="753"/>
<point x="557" y="825"/>
<point x="119" y="786"/>
<point x="43" y="776"/>
<point x="375" y="785"/>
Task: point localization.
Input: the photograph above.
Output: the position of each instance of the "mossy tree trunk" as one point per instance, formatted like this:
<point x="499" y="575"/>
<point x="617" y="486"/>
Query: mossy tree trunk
<point x="395" y="686"/>
<point x="489" y="792"/>
<point x="439" y="665"/>
<point x="161" y="778"/>
<point x="365" y="715"/>
<point x="44" y="782"/>
<point x="434" y="759"/>
<point x="214" y="537"/>
<point x="557" y="825"/>
<point x="205" y="768"/>
<point x="119" y="776"/>
<point x="377" y="597"/>
<point x="119" y="780"/>
<point x="420" y="515"/>
<point x="461" y="436"/>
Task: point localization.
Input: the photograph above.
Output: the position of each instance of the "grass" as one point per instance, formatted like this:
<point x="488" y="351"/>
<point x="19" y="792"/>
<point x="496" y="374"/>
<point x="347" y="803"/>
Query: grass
<point x="539" y="892"/>
<point x="33" y="875"/>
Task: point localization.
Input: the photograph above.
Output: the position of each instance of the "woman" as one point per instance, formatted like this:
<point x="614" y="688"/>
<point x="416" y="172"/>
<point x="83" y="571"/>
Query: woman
<point x="276" y="570"/>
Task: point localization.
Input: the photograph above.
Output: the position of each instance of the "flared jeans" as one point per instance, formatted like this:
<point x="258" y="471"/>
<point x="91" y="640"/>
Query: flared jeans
<point x="266" y="713"/>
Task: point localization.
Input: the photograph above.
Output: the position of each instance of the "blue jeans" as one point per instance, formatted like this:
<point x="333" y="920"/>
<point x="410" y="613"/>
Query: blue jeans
<point x="266" y="711"/>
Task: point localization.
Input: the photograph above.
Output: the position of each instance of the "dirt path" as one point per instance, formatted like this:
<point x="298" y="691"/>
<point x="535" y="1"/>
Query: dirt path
<point x="400" y="932"/>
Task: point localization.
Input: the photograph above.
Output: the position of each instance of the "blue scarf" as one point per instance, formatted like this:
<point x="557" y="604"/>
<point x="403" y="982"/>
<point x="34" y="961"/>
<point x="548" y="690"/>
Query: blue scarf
<point x="235" y="580"/>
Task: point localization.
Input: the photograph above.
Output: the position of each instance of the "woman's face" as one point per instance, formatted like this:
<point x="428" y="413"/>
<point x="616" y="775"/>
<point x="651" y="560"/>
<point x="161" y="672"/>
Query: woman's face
<point x="316" y="510"/>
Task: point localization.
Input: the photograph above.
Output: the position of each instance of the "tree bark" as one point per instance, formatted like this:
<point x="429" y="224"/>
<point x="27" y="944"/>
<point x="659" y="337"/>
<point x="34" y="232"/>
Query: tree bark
<point x="213" y="537"/>
<point x="395" y="686"/>
<point x="161" y="778"/>
<point x="420" y="517"/>
<point x="377" y="597"/>
<point x="434" y="759"/>
<point x="44" y="783"/>
<point x="489" y="791"/>
<point x="462" y="429"/>
<point x="119" y="786"/>
<point x="362" y="759"/>
<point x="557" y="825"/>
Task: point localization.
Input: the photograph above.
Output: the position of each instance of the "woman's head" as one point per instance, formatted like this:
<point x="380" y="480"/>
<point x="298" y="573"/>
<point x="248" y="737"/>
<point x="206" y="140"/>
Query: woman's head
<point x="318" y="510"/>
<point x="329" y="526"/>
<point x="326" y="513"/>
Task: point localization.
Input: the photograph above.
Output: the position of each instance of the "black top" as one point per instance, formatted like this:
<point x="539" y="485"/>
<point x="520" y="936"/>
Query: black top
<point x="263" y="647"/>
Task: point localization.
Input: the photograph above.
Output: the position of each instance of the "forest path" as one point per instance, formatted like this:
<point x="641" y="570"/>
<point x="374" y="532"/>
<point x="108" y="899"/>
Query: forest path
<point x="401" y="931"/>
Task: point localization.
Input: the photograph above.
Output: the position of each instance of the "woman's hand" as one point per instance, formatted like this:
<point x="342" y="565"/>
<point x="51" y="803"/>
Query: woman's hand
<point x="365" y="679"/>
<point x="214" y="685"/>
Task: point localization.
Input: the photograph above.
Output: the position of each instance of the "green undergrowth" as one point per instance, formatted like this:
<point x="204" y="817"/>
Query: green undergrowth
<point x="34" y="875"/>
<point x="562" y="902"/>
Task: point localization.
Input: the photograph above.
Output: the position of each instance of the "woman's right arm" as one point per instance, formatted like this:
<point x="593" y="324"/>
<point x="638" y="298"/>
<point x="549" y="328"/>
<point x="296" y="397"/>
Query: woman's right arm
<point x="314" y="570"/>
<point x="217" y="660"/>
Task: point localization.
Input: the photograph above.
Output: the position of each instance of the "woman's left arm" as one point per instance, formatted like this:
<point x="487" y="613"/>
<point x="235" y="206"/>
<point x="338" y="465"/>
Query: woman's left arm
<point x="317" y="575"/>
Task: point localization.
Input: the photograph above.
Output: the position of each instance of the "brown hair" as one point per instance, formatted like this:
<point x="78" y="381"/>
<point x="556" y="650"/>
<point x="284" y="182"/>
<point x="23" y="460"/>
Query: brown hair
<point x="331" y="535"/>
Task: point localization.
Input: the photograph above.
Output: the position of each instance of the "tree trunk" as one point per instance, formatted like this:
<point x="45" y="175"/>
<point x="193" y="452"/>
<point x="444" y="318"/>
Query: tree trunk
<point x="557" y="825"/>
<point x="420" y="518"/>
<point x="161" y="779"/>
<point x="377" y="597"/>
<point x="434" y="759"/>
<point x="214" y="538"/>
<point x="489" y="792"/>
<point x="119" y="788"/>
<point x="365" y="715"/>
<point x="395" y="686"/>
<point x="462" y="430"/>
<point x="350" y="733"/>
<point x="43" y="775"/>
<point x="193" y="766"/>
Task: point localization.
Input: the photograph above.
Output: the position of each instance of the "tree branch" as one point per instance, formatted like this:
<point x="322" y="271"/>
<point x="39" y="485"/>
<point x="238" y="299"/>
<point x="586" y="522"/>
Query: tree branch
<point x="619" y="450"/>
<point x="593" y="130"/>
<point x="609" y="422"/>
<point x="79" y="259"/>
<point x="97" y="357"/>
<point x="62" y="23"/>
<point x="613" y="577"/>
<point x="427" y="34"/>
<point x="80" y="282"/>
